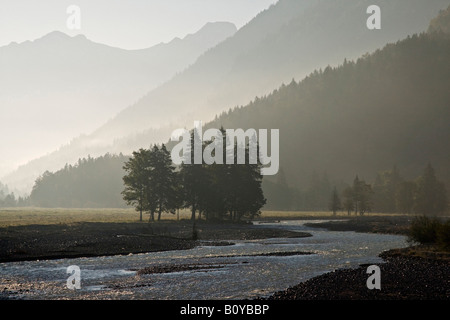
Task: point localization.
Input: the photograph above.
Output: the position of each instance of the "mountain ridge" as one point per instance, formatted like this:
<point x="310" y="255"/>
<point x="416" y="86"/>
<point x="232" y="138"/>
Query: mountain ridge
<point x="76" y="84"/>
<point x="239" y="68"/>
<point x="255" y="55"/>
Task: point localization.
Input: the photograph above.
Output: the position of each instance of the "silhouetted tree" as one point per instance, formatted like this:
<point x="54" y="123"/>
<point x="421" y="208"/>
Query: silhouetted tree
<point x="358" y="197"/>
<point x="151" y="183"/>
<point x="335" y="203"/>
<point x="385" y="190"/>
<point x="221" y="190"/>
<point x="136" y="181"/>
<point x="193" y="178"/>
<point x="405" y="197"/>
<point x="349" y="204"/>
<point x="162" y="181"/>
<point x="431" y="194"/>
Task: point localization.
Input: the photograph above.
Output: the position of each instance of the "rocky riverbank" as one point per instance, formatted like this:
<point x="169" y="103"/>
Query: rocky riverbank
<point x="402" y="278"/>
<point x="57" y="241"/>
<point x="389" y="224"/>
<point x="413" y="273"/>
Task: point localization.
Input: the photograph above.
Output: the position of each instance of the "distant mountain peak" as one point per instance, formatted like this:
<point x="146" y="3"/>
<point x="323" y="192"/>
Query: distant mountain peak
<point x="55" y="35"/>
<point x="215" y="24"/>
<point x="214" y="27"/>
<point x="58" y="37"/>
<point x="80" y="36"/>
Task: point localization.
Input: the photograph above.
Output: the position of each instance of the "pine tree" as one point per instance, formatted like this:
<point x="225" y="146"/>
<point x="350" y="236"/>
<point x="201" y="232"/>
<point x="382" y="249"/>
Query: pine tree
<point x="386" y="188"/>
<point x="356" y="193"/>
<point x="431" y="195"/>
<point x="136" y="181"/>
<point x="162" y="181"/>
<point x="349" y="204"/>
<point x="151" y="182"/>
<point x="361" y="194"/>
<point x="247" y="197"/>
<point x="405" y="197"/>
<point x="193" y="179"/>
<point x="335" y="203"/>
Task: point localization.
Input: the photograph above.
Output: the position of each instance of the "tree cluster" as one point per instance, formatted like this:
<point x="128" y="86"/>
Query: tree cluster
<point x="151" y="182"/>
<point x="391" y="193"/>
<point x="215" y="191"/>
<point x="357" y="197"/>
<point x="424" y="195"/>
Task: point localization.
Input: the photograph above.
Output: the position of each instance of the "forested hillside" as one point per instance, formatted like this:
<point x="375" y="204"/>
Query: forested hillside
<point x="290" y="39"/>
<point x="90" y="183"/>
<point x="384" y="109"/>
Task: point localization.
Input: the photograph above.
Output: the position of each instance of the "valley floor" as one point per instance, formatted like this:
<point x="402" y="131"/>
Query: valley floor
<point x="415" y="273"/>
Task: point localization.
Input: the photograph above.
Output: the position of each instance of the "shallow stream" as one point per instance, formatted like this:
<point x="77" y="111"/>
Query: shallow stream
<point x="244" y="270"/>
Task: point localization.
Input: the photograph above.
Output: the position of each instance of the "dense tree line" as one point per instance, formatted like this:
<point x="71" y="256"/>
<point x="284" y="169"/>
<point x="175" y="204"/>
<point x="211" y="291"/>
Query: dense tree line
<point x="388" y="193"/>
<point x="424" y="195"/>
<point x="223" y="191"/>
<point x="391" y="193"/>
<point x="215" y="191"/>
<point x="90" y="183"/>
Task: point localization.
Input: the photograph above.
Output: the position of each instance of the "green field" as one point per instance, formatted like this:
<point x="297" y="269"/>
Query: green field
<point x="27" y="216"/>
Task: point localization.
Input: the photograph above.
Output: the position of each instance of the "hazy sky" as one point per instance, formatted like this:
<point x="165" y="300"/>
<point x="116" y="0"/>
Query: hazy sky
<point x="128" y="24"/>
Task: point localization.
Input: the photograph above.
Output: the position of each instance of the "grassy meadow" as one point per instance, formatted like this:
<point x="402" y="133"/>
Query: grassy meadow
<point x="46" y="216"/>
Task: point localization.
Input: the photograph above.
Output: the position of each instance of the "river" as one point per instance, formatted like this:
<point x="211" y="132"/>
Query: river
<point x="244" y="270"/>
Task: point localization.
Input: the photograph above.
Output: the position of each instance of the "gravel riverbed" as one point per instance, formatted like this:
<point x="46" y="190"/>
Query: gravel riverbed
<point x="402" y="278"/>
<point x="413" y="273"/>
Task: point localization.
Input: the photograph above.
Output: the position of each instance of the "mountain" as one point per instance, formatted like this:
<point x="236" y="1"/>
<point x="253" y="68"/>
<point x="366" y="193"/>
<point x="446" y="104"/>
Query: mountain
<point x="288" y="40"/>
<point x="57" y="87"/>
<point x="383" y="110"/>
<point x="386" y="109"/>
